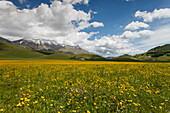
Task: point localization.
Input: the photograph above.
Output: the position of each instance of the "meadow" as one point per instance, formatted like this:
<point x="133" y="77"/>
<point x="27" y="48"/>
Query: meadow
<point x="84" y="87"/>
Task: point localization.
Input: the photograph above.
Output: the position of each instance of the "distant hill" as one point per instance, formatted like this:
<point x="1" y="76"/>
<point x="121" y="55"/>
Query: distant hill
<point x="159" y="51"/>
<point x="125" y="57"/>
<point x="159" y="54"/>
<point x="8" y="50"/>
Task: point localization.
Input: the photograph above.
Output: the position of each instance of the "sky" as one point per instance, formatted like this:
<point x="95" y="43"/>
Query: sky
<point x="108" y="28"/>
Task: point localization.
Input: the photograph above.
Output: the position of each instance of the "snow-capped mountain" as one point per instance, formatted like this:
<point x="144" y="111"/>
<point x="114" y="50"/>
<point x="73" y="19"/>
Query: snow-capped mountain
<point x="50" y="45"/>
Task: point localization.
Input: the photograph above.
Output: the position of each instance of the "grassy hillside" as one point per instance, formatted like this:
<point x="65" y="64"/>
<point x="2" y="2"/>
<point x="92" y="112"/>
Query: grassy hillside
<point x="11" y="51"/>
<point x="125" y="58"/>
<point x="8" y="50"/>
<point x="159" y="54"/>
<point x="88" y="57"/>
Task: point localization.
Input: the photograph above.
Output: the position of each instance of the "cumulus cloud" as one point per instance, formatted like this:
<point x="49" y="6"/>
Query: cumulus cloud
<point x="129" y="0"/>
<point x="109" y="46"/>
<point x="97" y="24"/>
<point x="56" y="21"/>
<point x="156" y="14"/>
<point x="161" y="36"/>
<point x="136" y="25"/>
<point x="76" y="1"/>
<point x="116" y="45"/>
<point x="137" y="34"/>
<point x="6" y="4"/>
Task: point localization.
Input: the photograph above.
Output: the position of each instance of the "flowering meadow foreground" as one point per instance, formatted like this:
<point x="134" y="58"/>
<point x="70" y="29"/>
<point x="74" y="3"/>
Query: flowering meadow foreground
<point x="84" y="87"/>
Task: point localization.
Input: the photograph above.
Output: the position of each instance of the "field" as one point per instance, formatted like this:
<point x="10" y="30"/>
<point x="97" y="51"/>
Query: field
<point x="84" y="87"/>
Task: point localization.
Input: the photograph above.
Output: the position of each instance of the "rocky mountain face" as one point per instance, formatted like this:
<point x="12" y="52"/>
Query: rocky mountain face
<point x="37" y="44"/>
<point x="50" y="45"/>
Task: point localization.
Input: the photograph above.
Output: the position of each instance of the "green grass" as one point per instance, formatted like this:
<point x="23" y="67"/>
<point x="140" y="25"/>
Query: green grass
<point x="8" y="50"/>
<point x="95" y="88"/>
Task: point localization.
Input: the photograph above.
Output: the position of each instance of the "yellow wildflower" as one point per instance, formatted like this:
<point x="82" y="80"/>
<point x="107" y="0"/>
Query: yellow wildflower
<point x="160" y="107"/>
<point x="42" y="97"/>
<point x="74" y="111"/>
<point x="162" y="103"/>
<point x="129" y="100"/>
<point x="88" y="111"/>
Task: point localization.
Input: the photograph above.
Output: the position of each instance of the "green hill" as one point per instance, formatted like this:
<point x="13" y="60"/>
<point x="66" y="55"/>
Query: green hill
<point x="159" y="51"/>
<point x="11" y="51"/>
<point x="159" y="54"/>
<point x="8" y="50"/>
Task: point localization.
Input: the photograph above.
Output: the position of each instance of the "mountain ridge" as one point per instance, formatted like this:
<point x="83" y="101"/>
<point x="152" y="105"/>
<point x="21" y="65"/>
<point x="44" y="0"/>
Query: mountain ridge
<point x="50" y="45"/>
<point x="9" y="50"/>
<point x="157" y="54"/>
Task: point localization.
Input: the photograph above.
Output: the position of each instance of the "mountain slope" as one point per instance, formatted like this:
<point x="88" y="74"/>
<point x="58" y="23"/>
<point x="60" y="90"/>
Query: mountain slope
<point x="50" y="45"/>
<point x="125" y="57"/>
<point x="160" y="53"/>
<point x="4" y="40"/>
<point x="8" y="50"/>
<point x="11" y="51"/>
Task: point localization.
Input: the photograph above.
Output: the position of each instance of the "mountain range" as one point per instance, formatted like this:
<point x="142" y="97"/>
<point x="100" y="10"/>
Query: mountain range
<point x="43" y="49"/>
<point x="50" y="49"/>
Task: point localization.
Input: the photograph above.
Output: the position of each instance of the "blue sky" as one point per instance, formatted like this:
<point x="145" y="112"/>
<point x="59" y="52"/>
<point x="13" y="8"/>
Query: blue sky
<point x="104" y="29"/>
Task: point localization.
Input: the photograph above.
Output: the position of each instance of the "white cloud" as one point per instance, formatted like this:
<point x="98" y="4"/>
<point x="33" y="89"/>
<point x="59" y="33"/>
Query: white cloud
<point x="156" y="14"/>
<point x="160" y="36"/>
<point x="76" y="1"/>
<point x="116" y="45"/>
<point x="97" y="24"/>
<point x="136" y="25"/>
<point x="22" y="1"/>
<point x="109" y="46"/>
<point x="6" y="4"/>
<point x="86" y="1"/>
<point x="129" y="0"/>
<point x="136" y="34"/>
<point x="58" y="21"/>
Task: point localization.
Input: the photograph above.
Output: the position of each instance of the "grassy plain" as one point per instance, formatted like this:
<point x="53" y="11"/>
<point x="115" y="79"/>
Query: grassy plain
<point x="83" y="86"/>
